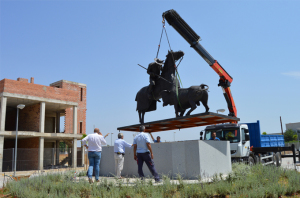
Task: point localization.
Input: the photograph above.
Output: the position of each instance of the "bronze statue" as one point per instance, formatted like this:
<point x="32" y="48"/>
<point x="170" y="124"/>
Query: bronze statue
<point x="165" y="81"/>
<point x="187" y="98"/>
<point x="154" y="73"/>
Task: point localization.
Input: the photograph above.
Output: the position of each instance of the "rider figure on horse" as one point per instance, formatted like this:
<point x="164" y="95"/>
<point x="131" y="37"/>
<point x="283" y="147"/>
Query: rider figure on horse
<point x="153" y="70"/>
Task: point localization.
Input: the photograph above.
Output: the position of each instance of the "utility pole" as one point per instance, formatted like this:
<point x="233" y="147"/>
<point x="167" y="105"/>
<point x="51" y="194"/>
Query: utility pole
<point x="281" y="126"/>
<point x="111" y="139"/>
<point x="174" y="136"/>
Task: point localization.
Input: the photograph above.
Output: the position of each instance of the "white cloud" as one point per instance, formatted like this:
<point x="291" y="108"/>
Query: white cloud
<point x="294" y="74"/>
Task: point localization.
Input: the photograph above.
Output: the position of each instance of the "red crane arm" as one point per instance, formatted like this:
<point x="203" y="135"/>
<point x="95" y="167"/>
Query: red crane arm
<point x="192" y="38"/>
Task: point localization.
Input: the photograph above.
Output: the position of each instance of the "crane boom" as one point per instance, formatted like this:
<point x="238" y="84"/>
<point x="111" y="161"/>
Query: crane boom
<point x="173" y="18"/>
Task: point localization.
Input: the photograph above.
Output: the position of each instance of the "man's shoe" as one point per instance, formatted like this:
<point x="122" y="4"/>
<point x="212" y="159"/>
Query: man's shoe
<point x="90" y="180"/>
<point x="97" y="180"/>
<point x="158" y="181"/>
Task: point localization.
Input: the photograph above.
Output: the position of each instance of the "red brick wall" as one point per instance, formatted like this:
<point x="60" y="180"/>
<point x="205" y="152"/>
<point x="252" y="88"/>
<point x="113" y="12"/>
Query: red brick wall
<point x="2" y="85"/>
<point x="22" y="79"/>
<point x="27" y="156"/>
<point x="29" y="118"/>
<point x="10" y="119"/>
<point x="81" y="109"/>
<point x="30" y="89"/>
<point x="69" y="120"/>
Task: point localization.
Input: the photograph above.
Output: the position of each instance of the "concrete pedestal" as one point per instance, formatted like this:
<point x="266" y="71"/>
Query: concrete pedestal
<point x="190" y="159"/>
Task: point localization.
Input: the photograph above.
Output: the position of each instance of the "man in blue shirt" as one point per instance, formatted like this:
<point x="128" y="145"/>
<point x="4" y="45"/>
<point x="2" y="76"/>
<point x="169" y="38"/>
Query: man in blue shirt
<point x="157" y="139"/>
<point x="143" y="153"/>
<point x="119" y="149"/>
<point x="214" y="137"/>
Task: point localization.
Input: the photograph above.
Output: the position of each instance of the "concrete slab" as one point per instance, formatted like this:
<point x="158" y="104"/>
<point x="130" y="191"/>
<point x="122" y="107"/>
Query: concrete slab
<point x="54" y="136"/>
<point x="190" y="159"/>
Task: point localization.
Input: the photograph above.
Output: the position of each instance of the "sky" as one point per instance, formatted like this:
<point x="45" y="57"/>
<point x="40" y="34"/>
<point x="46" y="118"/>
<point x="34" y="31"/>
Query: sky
<point x="100" y="43"/>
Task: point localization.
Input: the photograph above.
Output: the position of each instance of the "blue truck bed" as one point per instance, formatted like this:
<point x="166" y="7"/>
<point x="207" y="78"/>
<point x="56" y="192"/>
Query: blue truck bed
<point x="258" y="140"/>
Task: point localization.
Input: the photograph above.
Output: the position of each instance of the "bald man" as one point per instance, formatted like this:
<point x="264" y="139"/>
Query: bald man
<point x="94" y="147"/>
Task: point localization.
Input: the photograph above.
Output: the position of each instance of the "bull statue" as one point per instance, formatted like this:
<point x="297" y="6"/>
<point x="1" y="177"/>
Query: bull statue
<point x="187" y="98"/>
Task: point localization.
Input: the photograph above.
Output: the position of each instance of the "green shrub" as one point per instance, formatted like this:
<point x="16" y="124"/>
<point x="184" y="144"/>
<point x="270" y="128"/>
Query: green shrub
<point x="295" y="137"/>
<point x="288" y="135"/>
<point x="243" y="181"/>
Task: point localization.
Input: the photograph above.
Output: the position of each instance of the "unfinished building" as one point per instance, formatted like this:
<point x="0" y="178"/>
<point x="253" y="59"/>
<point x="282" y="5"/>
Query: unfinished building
<point x="39" y="124"/>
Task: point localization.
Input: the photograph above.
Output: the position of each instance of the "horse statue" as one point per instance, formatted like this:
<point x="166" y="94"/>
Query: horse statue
<point x="166" y="81"/>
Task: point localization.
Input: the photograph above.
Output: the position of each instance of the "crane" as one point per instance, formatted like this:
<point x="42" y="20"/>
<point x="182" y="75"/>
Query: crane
<point x="174" y="19"/>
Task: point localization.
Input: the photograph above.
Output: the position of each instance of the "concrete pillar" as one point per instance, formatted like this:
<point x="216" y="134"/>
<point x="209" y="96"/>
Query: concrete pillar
<point x="74" y="153"/>
<point x="1" y="151"/>
<point x="2" y="113"/>
<point x="75" y="119"/>
<point x="57" y="122"/>
<point x="42" y="117"/>
<point x="57" y="152"/>
<point x="41" y="154"/>
<point x="82" y="154"/>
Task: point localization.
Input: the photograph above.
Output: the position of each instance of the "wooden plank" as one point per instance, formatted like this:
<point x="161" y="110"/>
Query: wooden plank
<point x="201" y="119"/>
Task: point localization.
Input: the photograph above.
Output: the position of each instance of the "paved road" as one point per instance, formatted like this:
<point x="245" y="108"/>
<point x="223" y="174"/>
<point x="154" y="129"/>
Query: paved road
<point x="289" y="164"/>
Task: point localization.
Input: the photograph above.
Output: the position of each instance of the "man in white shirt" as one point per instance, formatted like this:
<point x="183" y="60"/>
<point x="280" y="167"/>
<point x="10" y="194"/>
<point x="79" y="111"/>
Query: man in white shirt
<point x="119" y="149"/>
<point x="95" y="142"/>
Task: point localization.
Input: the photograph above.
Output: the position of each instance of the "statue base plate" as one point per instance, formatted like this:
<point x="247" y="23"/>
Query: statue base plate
<point x="196" y="120"/>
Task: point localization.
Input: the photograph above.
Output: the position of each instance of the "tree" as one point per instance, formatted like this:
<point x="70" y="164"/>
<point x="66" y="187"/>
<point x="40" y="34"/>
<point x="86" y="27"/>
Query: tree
<point x="264" y="133"/>
<point x="83" y="136"/>
<point x="295" y="137"/>
<point x="289" y="135"/>
<point x="62" y="147"/>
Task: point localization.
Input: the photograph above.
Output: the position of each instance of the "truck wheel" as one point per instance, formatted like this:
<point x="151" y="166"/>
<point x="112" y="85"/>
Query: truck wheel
<point x="256" y="159"/>
<point x="274" y="160"/>
<point x="251" y="161"/>
<point x="278" y="159"/>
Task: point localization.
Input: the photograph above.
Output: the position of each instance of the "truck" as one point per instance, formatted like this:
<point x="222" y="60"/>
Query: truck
<point x="246" y="142"/>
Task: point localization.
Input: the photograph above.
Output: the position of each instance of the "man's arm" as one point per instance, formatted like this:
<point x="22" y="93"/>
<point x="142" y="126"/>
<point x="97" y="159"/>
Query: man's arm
<point x="150" y="149"/>
<point x="134" y="151"/>
<point x="84" y="140"/>
<point x="103" y="141"/>
<point x="127" y="144"/>
<point x="106" y="135"/>
<point x="149" y="70"/>
<point x="151" y="137"/>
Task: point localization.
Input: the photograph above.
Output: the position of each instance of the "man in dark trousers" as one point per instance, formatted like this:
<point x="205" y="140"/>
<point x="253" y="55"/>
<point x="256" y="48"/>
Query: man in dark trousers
<point x="143" y="153"/>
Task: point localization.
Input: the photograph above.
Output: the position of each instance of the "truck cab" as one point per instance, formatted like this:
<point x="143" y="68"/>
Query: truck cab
<point x="237" y="134"/>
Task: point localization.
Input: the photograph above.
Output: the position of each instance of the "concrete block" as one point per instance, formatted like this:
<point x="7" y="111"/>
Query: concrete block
<point x="190" y="159"/>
